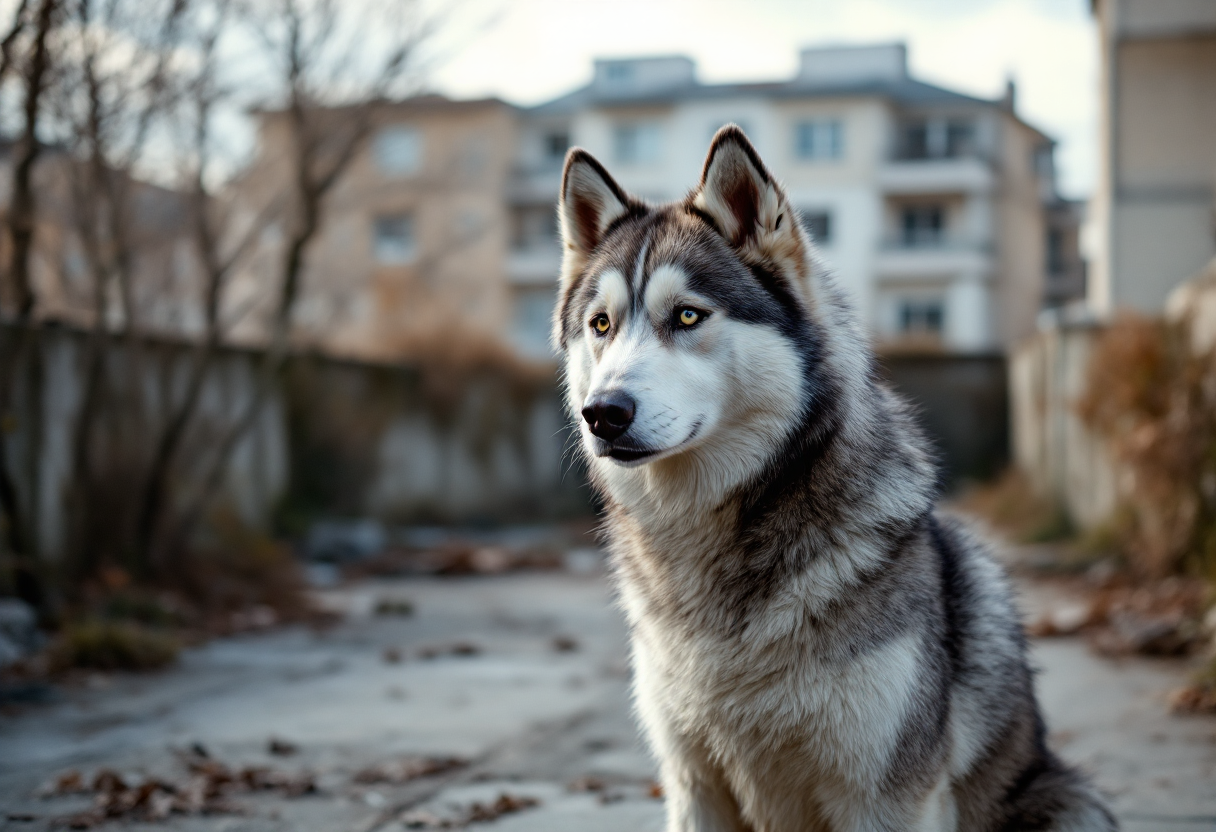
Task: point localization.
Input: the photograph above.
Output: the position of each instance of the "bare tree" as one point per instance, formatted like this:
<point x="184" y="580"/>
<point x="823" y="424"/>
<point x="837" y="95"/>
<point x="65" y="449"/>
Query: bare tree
<point x="330" y="94"/>
<point x="109" y="101"/>
<point x="26" y="48"/>
<point x="219" y="247"/>
<point x="123" y="83"/>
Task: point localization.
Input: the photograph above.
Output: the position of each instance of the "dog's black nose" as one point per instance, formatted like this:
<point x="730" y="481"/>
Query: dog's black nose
<point x="609" y="414"/>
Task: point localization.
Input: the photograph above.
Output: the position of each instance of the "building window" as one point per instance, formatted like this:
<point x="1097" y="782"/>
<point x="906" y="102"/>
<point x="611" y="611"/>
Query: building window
<point x="556" y="143"/>
<point x="820" y="139"/>
<point x="1042" y="161"/>
<point x="533" y="320"/>
<point x="914" y="141"/>
<point x="819" y="224"/>
<point x="1055" y="251"/>
<point x="937" y="138"/>
<point x="921" y="316"/>
<point x="398" y="150"/>
<point x="394" y="242"/>
<point x="922" y="225"/>
<point x="534" y="227"/>
<point x="637" y="143"/>
<point x="960" y="139"/>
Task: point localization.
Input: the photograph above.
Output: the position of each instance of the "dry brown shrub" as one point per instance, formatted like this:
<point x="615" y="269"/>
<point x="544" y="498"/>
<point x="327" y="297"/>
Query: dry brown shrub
<point x="1153" y="398"/>
<point x="241" y="579"/>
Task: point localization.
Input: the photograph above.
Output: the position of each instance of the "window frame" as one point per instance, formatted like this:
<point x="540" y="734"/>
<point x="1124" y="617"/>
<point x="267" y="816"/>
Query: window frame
<point x="382" y="153"/>
<point x="809" y="218"/>
<point x="931" y="309"/>
<point x="642" y="152"/>
<point x="819" y="139"/>
<point x="381" y="242"/>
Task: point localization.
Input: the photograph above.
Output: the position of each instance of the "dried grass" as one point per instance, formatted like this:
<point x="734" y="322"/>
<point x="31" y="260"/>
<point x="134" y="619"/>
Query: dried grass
<point x="96" y="644"/>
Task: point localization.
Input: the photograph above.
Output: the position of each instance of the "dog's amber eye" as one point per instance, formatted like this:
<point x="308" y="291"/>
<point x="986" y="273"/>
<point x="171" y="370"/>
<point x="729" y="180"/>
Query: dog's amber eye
<point x="600" y="323"/>
<point x="688" y="316"/>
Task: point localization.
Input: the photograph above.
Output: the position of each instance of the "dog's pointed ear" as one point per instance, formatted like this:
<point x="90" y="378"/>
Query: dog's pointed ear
<point x="736" y="189"/>
<point x="751" y="210"/>
<point x="590" y="202"/>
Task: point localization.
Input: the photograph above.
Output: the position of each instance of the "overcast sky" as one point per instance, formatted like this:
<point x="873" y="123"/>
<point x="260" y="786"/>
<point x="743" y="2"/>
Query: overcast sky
<point x="527" y="51"/>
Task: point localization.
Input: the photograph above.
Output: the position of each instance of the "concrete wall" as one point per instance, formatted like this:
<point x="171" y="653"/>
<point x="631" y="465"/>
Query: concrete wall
<point x="144" y="381"/>
<point x="1065" y="461"/>
<point x="334" y="438"/>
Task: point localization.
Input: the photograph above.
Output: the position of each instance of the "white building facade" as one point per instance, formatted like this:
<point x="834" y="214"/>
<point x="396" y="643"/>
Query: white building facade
<point x="931" y="206"/>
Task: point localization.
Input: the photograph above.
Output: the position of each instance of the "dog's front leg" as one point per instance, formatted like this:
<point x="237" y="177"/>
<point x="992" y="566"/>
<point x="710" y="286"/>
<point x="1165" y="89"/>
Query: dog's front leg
<point x="698" y="797"/>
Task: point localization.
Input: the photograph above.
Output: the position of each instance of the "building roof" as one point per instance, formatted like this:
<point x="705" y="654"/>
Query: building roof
<point x="416" y="103"/>
<point x="906" y="91"/>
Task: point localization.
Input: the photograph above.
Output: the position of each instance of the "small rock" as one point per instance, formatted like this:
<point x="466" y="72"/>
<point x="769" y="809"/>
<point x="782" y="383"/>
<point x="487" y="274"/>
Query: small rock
<point x="281" y="748"/>
<point x="586" y="784"/>
<point x="1070" y="618"/>
<point x="490" y="560"/>
<point x="19" y="635"/>
<point x="565" y="644"/>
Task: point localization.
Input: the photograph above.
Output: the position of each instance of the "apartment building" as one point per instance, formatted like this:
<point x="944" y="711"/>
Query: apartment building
<point x="414" y="238"/>
<point x="1154" y="209"/>
<point x="937" y="210"/>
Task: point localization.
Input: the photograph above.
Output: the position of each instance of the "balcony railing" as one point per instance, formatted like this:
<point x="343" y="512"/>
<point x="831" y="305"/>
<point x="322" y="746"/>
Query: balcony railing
<point x="922" y="240"/>
<point x="913" y="154"/>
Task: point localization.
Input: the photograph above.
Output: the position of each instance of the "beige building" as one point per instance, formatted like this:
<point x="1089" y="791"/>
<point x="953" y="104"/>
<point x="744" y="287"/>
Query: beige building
<point x="1154" y="209"/>
<point x="414" y="236"/>
<point x="153" y="290"/>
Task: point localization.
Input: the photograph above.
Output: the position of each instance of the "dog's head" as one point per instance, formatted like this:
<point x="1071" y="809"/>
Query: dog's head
<point x="686" y="327"/>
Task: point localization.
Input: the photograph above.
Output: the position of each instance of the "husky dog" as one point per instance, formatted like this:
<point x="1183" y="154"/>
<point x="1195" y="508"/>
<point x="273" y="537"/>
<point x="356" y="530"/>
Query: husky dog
<point x="814" y="648"/>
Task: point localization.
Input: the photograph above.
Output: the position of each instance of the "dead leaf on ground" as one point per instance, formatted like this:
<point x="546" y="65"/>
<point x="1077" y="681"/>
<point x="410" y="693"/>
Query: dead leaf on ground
<point x="1193" y="699"/>
<point x="476" y="812"/>
<point x="205" y="790"/>
<point x="586" y="784"/>
<point x="506" y="804"/>
<point x="459" y="648"/>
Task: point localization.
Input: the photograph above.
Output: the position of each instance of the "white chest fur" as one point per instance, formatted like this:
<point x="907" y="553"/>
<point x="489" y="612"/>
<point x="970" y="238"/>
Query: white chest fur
<point x="792" y="729"/>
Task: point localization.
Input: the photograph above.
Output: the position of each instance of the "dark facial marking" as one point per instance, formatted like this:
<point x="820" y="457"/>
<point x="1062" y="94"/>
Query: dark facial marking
<point x="680" y="236"/>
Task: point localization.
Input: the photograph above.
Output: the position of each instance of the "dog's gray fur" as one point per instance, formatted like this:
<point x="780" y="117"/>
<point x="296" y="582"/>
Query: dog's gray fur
<point x="814" y="647"/>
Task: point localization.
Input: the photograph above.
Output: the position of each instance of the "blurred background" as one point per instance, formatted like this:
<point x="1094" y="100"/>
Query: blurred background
<point x="276" y="282"/>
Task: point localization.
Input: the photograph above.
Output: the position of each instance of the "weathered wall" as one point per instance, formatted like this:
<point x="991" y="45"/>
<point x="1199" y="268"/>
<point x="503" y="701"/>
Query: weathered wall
<point x="1063" y="458"/>
<point x="410" y="444"/>
<point x="334" y="437"/>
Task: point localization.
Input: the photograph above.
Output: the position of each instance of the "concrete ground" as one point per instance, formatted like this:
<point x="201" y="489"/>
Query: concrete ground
<point x="527" y="680"/>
